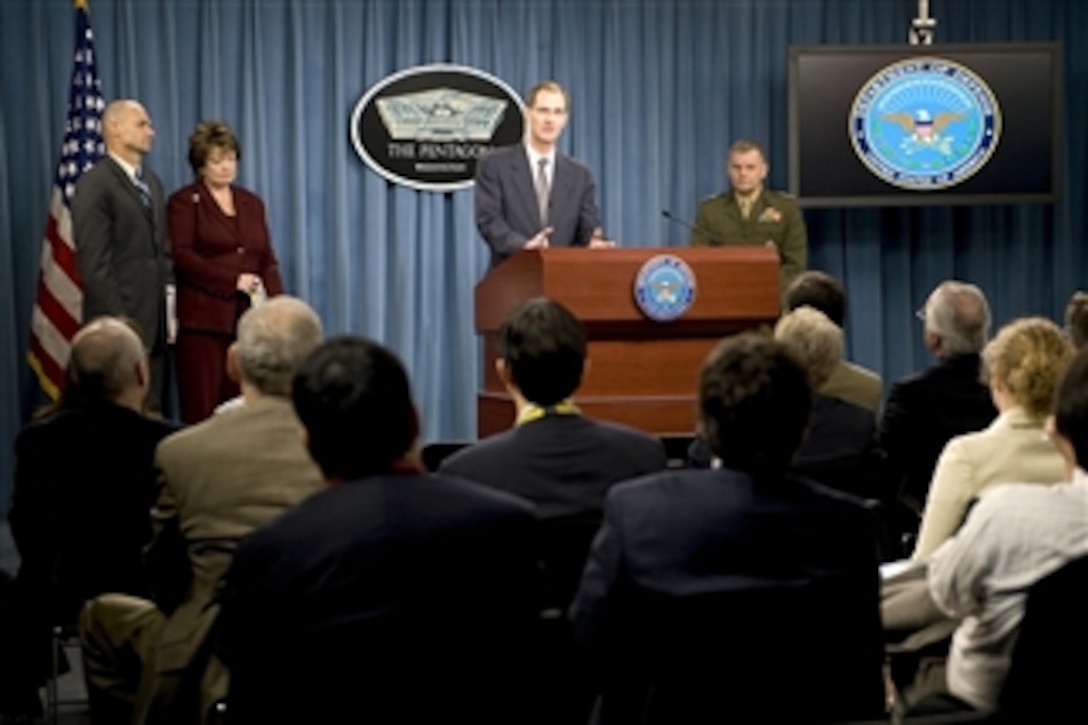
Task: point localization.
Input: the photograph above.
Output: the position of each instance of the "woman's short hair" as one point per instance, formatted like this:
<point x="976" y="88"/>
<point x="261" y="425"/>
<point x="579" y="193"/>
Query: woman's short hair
<point x="207" y="136"/>
<point x="1029" y="356"/>
<point x="814" y="340"/>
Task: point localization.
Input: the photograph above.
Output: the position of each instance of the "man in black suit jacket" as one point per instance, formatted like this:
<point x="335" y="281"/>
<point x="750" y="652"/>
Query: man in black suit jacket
<point x="926" y="410"/>
<point x="530" y="196"/>
<point x="392" y="597"/>
<point x="556" y="458"/>
<point x="740" y="591"/>
<point x="119" y="224"/>
<point x="84" y="482"/>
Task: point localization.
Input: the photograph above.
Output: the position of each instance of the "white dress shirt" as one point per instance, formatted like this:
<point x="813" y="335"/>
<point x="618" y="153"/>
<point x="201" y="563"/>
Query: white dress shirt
<point x="1015" y="536"/>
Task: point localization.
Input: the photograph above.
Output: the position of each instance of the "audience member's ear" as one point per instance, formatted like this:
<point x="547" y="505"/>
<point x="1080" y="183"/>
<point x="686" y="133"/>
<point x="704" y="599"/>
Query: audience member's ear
<point x="933" y="341"/>
<point x="233" y="371"/>
<point x="143" y="374"/>
<point x="502" y="371"/>
<point x="415" y="451"/>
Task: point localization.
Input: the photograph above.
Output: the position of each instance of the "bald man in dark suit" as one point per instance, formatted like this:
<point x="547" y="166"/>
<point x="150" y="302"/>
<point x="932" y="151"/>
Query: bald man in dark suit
<point x="122" y="250"/>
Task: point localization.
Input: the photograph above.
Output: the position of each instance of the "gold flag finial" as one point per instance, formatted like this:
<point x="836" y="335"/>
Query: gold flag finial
<point x="80" y="4"/>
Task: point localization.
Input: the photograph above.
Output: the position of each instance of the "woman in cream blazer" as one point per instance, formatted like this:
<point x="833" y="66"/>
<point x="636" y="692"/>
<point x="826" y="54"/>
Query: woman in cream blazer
<point x="1023" y="363"/>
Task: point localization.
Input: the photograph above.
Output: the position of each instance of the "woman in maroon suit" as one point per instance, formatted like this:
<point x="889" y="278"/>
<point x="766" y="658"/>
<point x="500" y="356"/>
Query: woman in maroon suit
<point x="223" y="262"/>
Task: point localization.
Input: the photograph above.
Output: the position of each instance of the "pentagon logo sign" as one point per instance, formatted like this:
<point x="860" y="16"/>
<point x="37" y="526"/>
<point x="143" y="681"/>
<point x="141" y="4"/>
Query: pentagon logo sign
<point x="425" y="126"/>
<point x="925" y="123"/>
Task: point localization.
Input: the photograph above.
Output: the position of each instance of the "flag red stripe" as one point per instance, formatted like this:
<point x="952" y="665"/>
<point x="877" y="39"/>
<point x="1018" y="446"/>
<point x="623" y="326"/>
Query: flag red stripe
<point x="54" y="310"/>
<point x="63" y="255"/>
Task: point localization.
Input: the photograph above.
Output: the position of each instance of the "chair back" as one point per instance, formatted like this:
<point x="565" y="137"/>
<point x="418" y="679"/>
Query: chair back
<point x="1046" y="671"/>
<point x="676" y="449"/>
<point x="805" y="652"/>
<point x="565" y="543"/>
<point x="434" y="453"/>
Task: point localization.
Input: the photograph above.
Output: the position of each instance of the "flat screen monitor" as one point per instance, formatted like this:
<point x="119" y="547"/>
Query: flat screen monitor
<point x="925" y="125"/>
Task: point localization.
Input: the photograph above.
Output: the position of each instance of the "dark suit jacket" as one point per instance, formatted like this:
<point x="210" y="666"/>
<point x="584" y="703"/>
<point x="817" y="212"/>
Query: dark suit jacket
<point x="397" y="598"/>
<point x="839" y="451"/>
<point x="564" y="464"/>
<point x="122" y="251"/>
<point x="84" y="483"/>
<point x="925" y="411"/>
<point x="506" y="208"/>
<point x="709" y="594"/>
<point x="211" y="250"/>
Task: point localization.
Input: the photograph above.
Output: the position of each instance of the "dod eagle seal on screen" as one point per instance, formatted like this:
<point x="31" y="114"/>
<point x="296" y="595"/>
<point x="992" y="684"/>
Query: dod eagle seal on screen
<point x="925" y="123"/>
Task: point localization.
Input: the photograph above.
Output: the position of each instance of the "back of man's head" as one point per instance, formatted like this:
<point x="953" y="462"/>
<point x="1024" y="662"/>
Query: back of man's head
<point x="814" y="340"/>
<point x="1076" y="319"/>
<point x="754" y="404"/>
<point x="108" y="364"/>
<point x="1071" y="407"/>
<point x="958" y="314"/>
<point x="543" y="346"/>
<point x="353" y="397"/>
<point x="273" y="340"/>
<point x="820" y="291"/>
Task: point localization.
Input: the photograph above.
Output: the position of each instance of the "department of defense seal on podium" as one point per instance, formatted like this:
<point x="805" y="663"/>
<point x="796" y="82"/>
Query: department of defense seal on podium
<point x="664" y="287"/>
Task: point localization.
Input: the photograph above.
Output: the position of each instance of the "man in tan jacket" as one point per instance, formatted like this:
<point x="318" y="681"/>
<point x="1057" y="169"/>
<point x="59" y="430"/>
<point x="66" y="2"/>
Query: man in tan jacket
<point x="850" y="382"/>
<point x="150" y="661"/>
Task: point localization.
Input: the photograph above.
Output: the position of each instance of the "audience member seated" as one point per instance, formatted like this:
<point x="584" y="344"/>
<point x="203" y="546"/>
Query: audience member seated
<point x="554" y="456"/>
<point x="1015" y="536"/>
<point x="1076" y="319"/>
<point x="848" y="381"/>
<point x="84" y="482"/>
<point x="394" y="596"/>
<point x="1023" y="363"/>
<point x="741" y="592"/>
<point x="149" y="661"/>
<point x="839" y="449"/>
<point x="926" y="410"/>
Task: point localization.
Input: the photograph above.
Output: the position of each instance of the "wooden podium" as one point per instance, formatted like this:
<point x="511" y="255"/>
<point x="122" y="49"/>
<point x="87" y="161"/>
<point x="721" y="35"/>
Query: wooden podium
<point x="642" y="373"/>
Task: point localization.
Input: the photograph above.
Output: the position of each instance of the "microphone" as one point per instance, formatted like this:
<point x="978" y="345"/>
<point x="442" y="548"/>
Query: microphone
<point x="699" y="230"/>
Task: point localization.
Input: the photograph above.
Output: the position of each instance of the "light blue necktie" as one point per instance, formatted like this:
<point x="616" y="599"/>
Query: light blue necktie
<point x="142" y="187"/>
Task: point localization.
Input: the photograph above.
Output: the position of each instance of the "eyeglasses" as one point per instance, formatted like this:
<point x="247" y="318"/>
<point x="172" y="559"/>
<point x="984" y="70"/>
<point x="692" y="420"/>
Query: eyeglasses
<point x="920" y="313"/>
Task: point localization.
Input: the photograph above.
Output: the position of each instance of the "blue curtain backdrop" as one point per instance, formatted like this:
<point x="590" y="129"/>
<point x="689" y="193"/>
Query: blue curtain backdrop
<point x="659" y="88"/>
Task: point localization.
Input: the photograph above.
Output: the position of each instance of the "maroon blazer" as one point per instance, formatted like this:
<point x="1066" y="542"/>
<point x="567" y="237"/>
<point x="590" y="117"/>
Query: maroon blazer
<point x="211" y="249"/>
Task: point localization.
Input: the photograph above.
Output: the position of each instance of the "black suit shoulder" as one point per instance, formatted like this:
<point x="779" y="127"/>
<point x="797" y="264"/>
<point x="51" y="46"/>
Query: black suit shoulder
<point x="564" y="464"/>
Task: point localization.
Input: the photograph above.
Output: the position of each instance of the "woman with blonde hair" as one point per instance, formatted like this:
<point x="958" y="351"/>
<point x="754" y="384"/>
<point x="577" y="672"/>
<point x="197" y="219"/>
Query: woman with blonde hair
<point x="1023" y="363"/>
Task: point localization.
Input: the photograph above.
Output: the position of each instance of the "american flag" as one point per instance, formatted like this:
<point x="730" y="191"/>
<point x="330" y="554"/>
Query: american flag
<point x="58" y="307"/>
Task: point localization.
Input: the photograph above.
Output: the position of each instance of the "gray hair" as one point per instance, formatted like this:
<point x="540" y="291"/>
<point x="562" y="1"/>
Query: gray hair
<point x="959" y="314"/>
<point x="274" y="339"/>
<point x="814" y="340"/>
<point x="102" y="366"/>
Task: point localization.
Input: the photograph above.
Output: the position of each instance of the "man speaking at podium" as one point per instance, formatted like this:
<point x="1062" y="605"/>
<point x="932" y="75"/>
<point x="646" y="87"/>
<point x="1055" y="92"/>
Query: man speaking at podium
<point x="750" y="215"/>
<point x="530" y="196"/>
